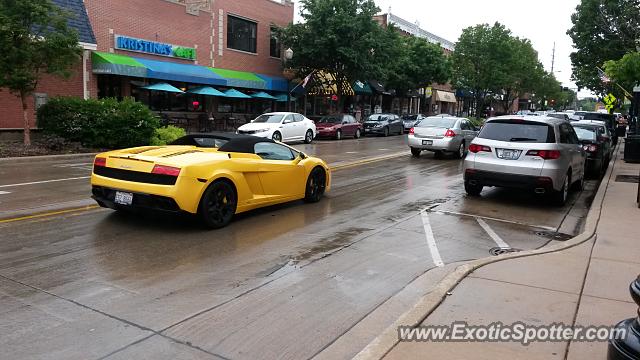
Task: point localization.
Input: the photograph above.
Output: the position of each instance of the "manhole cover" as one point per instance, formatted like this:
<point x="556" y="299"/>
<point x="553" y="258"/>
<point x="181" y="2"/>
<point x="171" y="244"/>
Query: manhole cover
<point x="554" y="235"/>
<point x="627" y="178"/>
<point x="499" y="251"/>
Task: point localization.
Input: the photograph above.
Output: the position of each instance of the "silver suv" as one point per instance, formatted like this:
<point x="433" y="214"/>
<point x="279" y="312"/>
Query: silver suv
<point x="527" y="152"/>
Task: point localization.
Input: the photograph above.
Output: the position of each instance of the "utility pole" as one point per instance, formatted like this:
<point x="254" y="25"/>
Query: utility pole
<point x="553" y="57"/>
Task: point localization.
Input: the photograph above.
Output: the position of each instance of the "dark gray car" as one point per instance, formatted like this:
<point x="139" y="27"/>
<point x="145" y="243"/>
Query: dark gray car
<point x="383" y="124"/>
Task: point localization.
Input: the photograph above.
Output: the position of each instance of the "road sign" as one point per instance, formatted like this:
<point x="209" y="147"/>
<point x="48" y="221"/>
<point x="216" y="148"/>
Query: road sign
<point x="610" y="101"/>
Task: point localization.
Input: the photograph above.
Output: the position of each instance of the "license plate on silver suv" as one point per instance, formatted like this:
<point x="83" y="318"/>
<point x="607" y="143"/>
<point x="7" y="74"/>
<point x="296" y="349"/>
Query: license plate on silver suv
<point x="508" y="154"/>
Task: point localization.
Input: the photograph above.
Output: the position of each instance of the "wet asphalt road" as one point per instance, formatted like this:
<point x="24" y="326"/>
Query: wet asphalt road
<point x="282" y="282"/>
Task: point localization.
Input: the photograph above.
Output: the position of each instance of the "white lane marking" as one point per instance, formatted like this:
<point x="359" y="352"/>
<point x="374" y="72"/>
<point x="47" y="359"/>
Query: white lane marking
<point x="431" y="241"/>
<point x="495" y="219"/>
<point x="5" y="192"/>
<point x="351" y="152"/>
<point x="383" y="149"/>
<point x="498" y="240"/>
<point x="44" y="181"/>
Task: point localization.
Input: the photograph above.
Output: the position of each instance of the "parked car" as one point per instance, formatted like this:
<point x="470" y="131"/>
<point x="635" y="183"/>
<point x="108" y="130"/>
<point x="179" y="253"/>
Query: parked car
<point x="281" y="126"/>
<point x="560" y="115"/>
<point x="410" y="120"/>
<point x="538" y="153"/>
<point x="338" y="126"/>
<point x="609" y="119"/>
<point x="383" y="124"/>
<point x="596" y="141"/>
<point x="442" y="134"/>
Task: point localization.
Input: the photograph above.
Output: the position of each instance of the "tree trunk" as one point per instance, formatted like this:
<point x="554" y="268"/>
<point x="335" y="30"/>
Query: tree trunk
<point x="25" y="115"/>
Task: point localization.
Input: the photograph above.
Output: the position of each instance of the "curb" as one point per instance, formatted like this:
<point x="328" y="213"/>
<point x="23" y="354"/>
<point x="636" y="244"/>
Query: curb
<point x="44" y="157"/>
<point x="385" y="342"/>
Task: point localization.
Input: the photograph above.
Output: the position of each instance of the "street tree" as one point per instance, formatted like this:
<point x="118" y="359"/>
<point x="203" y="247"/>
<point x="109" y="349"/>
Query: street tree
<point x="338" y="36"/>
<point x="626" y="71"/>
<point x="602" y="30"/>
<point x="35" y="40"/>
<point x="416" y="63"/>
<point x="523" y="72"/>
<point x="483" y="63"/>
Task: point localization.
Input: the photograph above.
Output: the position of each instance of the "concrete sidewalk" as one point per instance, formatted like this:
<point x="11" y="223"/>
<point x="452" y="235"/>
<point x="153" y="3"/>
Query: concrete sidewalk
<point x="583" y="285"/>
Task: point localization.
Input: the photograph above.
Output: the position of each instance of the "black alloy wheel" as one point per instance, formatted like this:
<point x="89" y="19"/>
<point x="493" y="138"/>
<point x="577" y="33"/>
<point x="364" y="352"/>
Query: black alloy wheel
<point x="218" y="204"/>
<point x="316" y="184"/>
<point x="276" y="136"/>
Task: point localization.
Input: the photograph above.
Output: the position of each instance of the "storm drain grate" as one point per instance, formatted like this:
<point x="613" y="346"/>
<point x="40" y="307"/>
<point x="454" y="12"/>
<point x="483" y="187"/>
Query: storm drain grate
<point x="627" y="178"/>
<point x="500" y="250"/>
<point x="554" y="235"/>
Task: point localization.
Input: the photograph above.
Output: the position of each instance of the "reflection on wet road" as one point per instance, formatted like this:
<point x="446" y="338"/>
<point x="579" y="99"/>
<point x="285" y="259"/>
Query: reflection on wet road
<point x="282" y="282"/>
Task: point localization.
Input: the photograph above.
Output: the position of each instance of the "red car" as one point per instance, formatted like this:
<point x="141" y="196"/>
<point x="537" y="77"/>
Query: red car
<point x="338" y="126"/>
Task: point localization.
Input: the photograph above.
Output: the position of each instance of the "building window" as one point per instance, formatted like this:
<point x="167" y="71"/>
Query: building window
<point x="241" y="34"/>
<point x="275" y="50"/>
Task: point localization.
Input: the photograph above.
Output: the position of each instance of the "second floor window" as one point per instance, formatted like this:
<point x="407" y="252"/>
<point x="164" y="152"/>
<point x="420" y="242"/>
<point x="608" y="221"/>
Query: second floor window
<point x="241" y="34"/>
<point x="275" y="44"/>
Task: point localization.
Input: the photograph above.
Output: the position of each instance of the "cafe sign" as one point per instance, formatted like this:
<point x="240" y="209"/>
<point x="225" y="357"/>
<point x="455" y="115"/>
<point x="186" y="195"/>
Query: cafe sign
<point x="153" y="47"/>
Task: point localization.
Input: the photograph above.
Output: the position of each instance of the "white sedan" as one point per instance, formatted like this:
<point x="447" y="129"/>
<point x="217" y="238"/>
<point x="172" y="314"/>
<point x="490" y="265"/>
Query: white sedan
<point x="281" y="126"/>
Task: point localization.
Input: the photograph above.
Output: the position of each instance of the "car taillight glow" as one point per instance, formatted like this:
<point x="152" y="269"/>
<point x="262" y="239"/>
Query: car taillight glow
<point x="474" y="148"/>
<point x="449" y="133"/>
<point x="100" y="161"/>
<point x="166" y="170"/>
<point x="590" y="147"/>
<point x="545" y="154"/>
<point x="412" y="131"/>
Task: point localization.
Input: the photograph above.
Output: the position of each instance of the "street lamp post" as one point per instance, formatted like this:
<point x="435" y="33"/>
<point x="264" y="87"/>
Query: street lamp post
<point x="289" y="75"/>
<point x="629" y="346"/>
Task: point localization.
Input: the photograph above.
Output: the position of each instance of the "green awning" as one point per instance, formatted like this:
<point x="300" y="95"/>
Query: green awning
<point x="362" y="88"/>
<point x="163" y="87"/>
<point x="233" y="93"/>
<point x="206" y="90"/>
<point x="240" y="78"/>
<point x="262" y="95"/>
<point x="107" y="63"/>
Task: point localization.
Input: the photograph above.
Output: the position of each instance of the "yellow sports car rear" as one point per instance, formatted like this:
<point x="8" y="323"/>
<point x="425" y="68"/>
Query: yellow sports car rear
<point x="212" y="175"/>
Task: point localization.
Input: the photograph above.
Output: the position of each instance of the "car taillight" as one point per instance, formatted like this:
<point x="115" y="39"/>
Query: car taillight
<point x="100" y="161"/>
<point x="590" y="147"/>
<point x="449" y="133"/>
<point x="545" y="154"/>
<point x="166" y="170"/>
<point x="478" y="148"/>
<point x="412" y="131"/>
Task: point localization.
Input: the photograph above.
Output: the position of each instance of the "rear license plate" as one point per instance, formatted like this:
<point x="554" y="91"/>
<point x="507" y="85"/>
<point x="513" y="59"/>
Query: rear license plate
<point x="427" y="142"/>
<point x="507" y="154"/>
<point x="123" y="198"/>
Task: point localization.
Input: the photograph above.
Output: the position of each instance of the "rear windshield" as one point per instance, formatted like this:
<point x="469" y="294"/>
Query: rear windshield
<point x="437" y="122"/>
<point x="517" y="131"/>
<point x="410" y="117"/>
<point x="378" y="117"/>
<point x="586" y="133"/>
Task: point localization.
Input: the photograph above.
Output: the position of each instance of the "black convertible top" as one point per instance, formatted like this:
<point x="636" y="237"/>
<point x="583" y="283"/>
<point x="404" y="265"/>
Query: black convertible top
<point x="243" y="144"/>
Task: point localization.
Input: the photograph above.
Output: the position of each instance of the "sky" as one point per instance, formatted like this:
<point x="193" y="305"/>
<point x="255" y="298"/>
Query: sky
<point x="543" y="22"/>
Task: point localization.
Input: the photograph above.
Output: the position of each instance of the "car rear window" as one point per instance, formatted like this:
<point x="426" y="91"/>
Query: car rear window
<point x="436" y="122"/>
<point x="518" y="131"/>
<point x="585" y="133"/>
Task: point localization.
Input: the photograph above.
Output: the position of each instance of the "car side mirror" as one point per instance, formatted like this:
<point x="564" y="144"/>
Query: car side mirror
<point x="345" y="122"/>
<point x="302" y="155"/>
<point x="286" y="121"/>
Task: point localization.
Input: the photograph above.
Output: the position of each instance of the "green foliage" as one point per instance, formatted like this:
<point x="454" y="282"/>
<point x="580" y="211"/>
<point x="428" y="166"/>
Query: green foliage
<point x="165" y="135"/>
<point x="626" y="71"/>
<point x="105" y="123"/>
<point x="417" y="63"/>
<point x="490" y="61"/>
<point x="602" y="30"/>
<point x="35" y="39"/>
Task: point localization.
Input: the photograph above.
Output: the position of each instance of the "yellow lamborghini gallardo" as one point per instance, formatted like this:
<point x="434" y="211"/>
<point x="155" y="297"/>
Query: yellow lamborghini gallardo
<point x="212" y="175"/>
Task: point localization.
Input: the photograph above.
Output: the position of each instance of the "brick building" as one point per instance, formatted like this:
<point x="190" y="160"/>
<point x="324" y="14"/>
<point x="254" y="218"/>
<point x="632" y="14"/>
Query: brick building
<point x="130" y="44"/>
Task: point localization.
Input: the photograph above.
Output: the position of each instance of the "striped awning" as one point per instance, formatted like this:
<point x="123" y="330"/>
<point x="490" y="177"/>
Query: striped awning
<point x="116" y="64"/>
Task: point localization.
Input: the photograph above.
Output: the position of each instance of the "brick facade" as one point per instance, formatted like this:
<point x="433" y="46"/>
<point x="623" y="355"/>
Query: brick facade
<point x="191" y="23"/>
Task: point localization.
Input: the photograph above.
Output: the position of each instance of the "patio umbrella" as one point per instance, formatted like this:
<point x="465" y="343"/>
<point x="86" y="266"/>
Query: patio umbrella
<point x="163" y="87"/>
<point x="233" y="93"/>
<point x="206" y="90"/>
<point x="262" y="95"/>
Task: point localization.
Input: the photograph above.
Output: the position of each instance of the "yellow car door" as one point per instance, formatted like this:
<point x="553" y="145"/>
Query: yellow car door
<point x="281" y="174"/>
